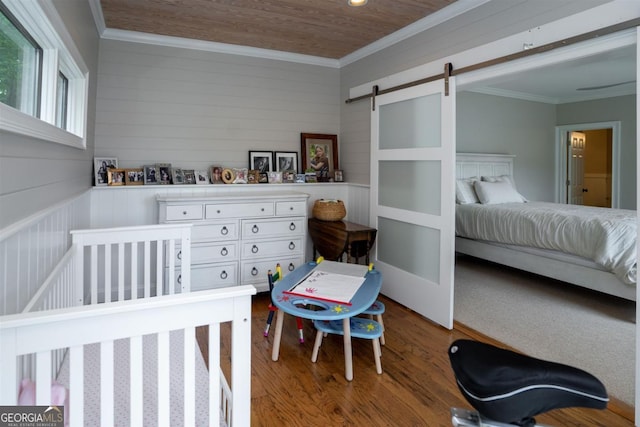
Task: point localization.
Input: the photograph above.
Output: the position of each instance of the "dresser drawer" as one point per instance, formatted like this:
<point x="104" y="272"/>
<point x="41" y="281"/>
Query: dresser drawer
<point x="291" y="208"/>
<point x="256" y="271"/>
<point x="204" y="253"/>
<point x="234" y="210"/>
<point x="210" y="276"/>
<point x="219" y="231"/>
<point x="272" y="228"/>
<point x="272" y="248"/>
<point x="183" y="212"/>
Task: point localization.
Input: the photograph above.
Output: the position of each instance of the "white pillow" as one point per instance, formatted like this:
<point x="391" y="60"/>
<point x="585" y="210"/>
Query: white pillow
<point x="499" y="178"/>
<point x="465" y="193"/>
<point x="491" y="193"/>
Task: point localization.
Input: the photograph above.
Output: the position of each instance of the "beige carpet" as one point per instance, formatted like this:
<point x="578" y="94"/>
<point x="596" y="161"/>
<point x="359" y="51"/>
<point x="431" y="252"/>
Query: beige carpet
<point x="550" y="320"/>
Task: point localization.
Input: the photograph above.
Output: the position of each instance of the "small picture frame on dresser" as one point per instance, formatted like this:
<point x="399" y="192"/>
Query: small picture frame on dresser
<point x="150" y="175"/>
<point x="164" y="173"/>
<point x="253" y="176"/>
<point x="178" y="176"/>
<point x="189" y="176"/>
<point x="216" y="174"/>
<point x="202" y="177"/>
<point x="338" y="177"/>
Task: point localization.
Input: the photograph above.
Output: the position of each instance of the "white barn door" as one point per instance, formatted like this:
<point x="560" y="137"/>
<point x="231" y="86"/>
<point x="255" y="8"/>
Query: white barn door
<point x="413" y="196"/>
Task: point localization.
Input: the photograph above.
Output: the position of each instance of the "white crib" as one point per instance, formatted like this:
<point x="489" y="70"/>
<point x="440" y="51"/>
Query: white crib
<point x="110" y="292"/>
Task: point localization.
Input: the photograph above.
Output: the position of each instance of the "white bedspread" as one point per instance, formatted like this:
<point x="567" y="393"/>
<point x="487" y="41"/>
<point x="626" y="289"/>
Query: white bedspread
<point x="605" y="236"/>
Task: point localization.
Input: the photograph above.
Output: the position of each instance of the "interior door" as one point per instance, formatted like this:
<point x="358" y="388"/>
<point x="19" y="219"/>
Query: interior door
<point x="412" y="197"/>
<point x="575" y="171"/>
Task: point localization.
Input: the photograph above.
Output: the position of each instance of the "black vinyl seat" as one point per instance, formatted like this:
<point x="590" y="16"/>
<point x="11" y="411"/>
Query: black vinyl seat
<point x="513" y="388"/>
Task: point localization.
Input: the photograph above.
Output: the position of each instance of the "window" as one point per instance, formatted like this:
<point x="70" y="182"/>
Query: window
<point x="20" y="66"/>
<point x="43" y="79"/>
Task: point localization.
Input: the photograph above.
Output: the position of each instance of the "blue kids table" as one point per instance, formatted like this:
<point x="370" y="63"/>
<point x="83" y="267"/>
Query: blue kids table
<point x="309" y="308"/>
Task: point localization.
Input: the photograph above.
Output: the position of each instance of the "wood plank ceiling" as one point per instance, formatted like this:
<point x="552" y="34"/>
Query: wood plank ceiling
<point x="324" y="28"/>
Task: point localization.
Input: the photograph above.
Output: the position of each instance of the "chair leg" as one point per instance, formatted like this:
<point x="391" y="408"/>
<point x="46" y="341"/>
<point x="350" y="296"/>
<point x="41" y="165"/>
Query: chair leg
<point x="377" y="353"/>
<point x="316" y="346"/>
<point x="381" y="327"/>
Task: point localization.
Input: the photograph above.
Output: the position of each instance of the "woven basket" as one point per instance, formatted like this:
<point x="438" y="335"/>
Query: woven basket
<point x="329" y="210"/>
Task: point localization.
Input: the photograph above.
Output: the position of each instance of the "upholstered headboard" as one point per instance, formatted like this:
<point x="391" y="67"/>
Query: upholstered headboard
<point x="477" y="164"/>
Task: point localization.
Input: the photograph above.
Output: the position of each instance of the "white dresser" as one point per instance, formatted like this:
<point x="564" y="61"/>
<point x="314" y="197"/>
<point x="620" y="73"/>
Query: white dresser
<point x="237" y="238"/>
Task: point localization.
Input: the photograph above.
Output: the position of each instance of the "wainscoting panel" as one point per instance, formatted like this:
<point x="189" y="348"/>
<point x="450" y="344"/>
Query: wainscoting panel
<point x="30" y="249"/>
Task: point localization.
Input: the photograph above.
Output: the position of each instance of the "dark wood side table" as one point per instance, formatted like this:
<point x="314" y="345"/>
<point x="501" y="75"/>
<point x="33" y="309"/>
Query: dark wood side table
<point x="331" y="239"/>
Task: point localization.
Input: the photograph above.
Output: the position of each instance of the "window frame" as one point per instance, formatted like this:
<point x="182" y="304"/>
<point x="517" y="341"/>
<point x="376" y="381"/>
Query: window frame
<point x="60" y="55"/>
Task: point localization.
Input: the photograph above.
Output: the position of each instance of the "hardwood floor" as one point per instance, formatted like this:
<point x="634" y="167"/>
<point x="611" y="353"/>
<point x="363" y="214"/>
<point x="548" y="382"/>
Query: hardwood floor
<point x="416" y="387"/>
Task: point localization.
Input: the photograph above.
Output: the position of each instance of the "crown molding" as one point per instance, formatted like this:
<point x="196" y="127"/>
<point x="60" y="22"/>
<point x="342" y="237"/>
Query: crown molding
<point x="436" y="18"/>
<point x="455" y="9"/>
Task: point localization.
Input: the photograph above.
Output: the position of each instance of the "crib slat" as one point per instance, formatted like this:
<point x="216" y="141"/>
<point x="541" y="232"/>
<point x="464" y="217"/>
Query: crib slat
<point x="134" y="270"/>
<point x="121" y="283"/>
<point x="43" y="378"/>
<point x="163" y="379"/>
<point x="136" y="400"/>
<point x="94" y="274"/>
<point x="171" y="280"/>
<point x="76" y="385"/>
<point x="147" y="268"/>
<point x="106" y="383"/>
<point x="189" y="402"/>
<point x="159" y="269"/>
<point x="214" y="374"/>
<point x="107" y="273"/>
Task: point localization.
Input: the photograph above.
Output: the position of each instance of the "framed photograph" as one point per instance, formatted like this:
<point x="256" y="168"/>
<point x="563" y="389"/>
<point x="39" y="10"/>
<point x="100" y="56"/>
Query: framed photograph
<point x="164" y="173"/>
<point x="289" y="176"/>
<point x="189" y="176"/>
<point x="177" y="176"/>
<point x="253" y="176"/>
<point x="240" y="175"/>
<point x="202" y="177"/>
<point x="310" y="177"/>
<point x="101" y="166"/>
<point x="300" y="178"/>
<point x="275" y="177"/>
<point x="286" y="161"/>
<point x="134" y="176"/>
<point x="337" y="176"/>
<point x="116" y="176"/>
<point x="319" y="154"/>
<point x="216" y="174"/>
<point x="150" y="175"/>
<point x="261" y="161"/>
<point x="263" y="177"/>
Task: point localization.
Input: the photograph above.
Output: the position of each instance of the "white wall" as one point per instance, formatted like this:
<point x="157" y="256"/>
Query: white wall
<point x="35" y="174"/>
<point x="194" y="108"/>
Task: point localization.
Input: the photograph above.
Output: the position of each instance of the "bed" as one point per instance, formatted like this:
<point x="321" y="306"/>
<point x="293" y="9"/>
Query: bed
<point x="568" y="254"/>
<point x="105" y="326"/>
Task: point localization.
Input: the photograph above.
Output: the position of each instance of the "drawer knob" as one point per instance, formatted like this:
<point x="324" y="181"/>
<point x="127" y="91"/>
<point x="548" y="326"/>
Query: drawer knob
<point x="224" y="252"/>
<point x="223" y="274"/>
<point x="179" y="256"/>
<point x="292" y="245"/>
<point x="254" y="271"/>
<point x="224" y="231"/>
<point x="292" y="226"/>
<point x="290" y="208"/>
<point x="291" y="266"/>
<point x="218" y="211"/>
<point x="184" y="212"/>
<point x="255" y="229"/>
<point x="261" y="209"/>
<point x="254" y="249"/>
<point x="179" y="280"/>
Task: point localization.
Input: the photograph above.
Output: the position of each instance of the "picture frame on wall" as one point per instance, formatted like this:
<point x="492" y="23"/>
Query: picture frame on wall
<point x="286" y="161"/>
<point x="134" y="176"/>
<point x="319" y="154"/>
<point x="101" y="166"/>
<point x="261" y="161"/>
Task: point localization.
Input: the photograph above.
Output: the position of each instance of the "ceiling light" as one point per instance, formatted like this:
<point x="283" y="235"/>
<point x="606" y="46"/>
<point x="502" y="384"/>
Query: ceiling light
<point x="356" y="3"/>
